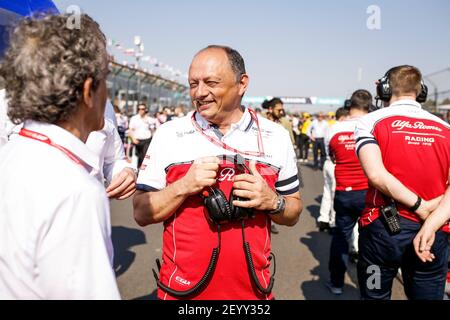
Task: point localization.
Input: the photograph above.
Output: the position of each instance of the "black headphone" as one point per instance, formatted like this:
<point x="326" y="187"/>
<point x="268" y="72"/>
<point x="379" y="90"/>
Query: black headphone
<point x="384" y="90"/>
<point x="347" y="103"/>
<point x="221" y="210"/>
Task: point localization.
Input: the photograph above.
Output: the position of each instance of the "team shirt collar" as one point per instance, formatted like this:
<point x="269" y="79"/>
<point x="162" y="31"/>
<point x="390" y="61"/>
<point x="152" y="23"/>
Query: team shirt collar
<point x="243" y="124"/>
<point x="67" y="140"/>
<point x="406" y="102"/>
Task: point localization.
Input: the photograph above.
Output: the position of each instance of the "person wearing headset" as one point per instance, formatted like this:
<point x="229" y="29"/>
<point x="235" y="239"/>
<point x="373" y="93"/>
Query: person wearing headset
<point x="216" y="178"/>
<point x="405" y="153"/>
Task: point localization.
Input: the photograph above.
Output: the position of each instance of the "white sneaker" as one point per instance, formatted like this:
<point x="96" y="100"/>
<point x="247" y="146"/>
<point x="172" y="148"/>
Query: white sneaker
<point x="334" y="290"/>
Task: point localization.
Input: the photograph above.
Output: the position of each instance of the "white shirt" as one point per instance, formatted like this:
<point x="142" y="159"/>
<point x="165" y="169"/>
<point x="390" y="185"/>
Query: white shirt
<point x="318" y="129"/>
<point x="54" y="221"/>
<point x="108" y="147"/>
<point x="141" y="126"/>
<point x="105" y="143"/>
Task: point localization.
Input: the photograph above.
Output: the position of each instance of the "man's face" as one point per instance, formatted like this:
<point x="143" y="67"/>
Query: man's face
<point x="142" y="110"/>
<point x="214" y="88"/>
<point x="278" y="111"/>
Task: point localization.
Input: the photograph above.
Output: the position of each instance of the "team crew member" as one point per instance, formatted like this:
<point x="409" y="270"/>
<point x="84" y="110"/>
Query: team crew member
<point x="405" y="153"/>
<point x="351" y="186"/>
<point x="190" y="158"/>
<point x="326" y="219"/>
<point x="141" y="129"/>
<point x="54" y="217"/>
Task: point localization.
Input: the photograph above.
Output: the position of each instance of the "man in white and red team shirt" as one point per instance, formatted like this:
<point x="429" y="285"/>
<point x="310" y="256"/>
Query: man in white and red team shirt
<point x="191" y="155"/>
<point x="326" y="217"/>
<point x="351" y="186"/>
<point x="405" y="153"/>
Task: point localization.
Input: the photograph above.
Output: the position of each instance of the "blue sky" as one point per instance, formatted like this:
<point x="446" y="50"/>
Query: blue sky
<point x="291" y="48"/>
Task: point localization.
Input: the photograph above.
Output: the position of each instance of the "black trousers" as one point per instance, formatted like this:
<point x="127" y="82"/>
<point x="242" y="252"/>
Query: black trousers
<point x="141" y="150"/>
<point x="319" y="144"/>
<point x="303" y="146"/>
<point x="381" y="254"/>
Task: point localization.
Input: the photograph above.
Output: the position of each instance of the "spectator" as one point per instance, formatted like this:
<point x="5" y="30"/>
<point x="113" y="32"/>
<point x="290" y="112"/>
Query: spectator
<point x="141" y="130"/>
<point x="317" y="132"/>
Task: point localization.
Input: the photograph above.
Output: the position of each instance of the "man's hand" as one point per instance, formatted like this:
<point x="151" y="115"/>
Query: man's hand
<point x="135" y="141"/>
<point x="254" y="188"/>
<point x="123" y="185"/>
<point x="427" y="207"/>
<point x="201" y="174"/>
<point x="423" y="242"/>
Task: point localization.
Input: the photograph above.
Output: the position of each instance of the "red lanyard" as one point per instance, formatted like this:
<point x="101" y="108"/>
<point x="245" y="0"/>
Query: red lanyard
<point x="43" y="138"/>
<point x="221" y="144"/>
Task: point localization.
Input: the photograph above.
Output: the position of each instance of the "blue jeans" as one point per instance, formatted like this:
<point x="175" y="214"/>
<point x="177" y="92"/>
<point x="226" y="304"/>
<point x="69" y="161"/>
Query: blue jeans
<point x="348" y="206"/>
<point x="378" y="250"/>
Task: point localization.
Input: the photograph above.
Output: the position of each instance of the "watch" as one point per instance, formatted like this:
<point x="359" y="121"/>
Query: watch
<point x="281" y="205"/>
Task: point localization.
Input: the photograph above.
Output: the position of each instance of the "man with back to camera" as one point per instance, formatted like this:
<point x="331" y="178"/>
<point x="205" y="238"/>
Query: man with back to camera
<point x="190" y="159"/>
<point x="54" y="217"/>
<point x="351" y="186"/>
<point x="327" y="214"/>
<point x="405" y="153"/>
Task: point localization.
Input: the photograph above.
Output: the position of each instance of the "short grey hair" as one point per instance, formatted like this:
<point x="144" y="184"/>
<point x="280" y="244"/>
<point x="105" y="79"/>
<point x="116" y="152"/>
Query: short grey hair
<point x="46" y="65"/>
<point x="234" y="57"/>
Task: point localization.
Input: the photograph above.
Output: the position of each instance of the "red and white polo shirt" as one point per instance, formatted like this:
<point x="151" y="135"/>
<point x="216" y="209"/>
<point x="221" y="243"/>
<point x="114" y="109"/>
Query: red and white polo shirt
<point x="341" y="144"/>
<point x="188" y="237"/>
<point x="415" y="147"/>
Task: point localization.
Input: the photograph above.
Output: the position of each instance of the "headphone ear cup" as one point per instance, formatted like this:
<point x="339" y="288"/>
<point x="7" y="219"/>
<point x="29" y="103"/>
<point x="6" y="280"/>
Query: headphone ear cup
<point x="217" y="206"/>
<point x="384" y="91"/>
<point x="233" y="209"/>
<point x="239" y="212"/>
<point x="422" y="97"/>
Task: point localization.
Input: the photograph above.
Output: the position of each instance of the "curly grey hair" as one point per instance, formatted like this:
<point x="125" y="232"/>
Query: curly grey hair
<point x="47" y="64"/>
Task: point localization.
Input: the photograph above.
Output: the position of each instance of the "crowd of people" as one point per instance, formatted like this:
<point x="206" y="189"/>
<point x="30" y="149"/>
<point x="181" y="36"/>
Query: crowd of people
<point x="217" y="178"/>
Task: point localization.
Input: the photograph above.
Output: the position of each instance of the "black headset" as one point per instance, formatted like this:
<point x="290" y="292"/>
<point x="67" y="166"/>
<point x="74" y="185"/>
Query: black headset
<point x="219" y="209"/>
<point x="384" y="90"/>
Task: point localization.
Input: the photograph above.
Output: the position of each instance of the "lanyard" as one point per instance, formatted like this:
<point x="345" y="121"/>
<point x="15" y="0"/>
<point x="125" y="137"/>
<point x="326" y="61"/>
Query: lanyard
<point x="43" y="138"/>
<point x="223" y="145"/>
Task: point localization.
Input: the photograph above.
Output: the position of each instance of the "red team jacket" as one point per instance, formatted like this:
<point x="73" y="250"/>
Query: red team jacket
<point x="415" y="147"/>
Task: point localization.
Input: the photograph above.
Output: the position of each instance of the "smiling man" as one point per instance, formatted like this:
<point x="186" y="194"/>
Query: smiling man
<point x="193" y="167"/>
